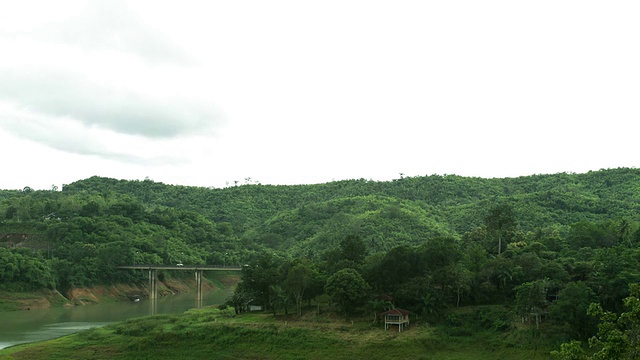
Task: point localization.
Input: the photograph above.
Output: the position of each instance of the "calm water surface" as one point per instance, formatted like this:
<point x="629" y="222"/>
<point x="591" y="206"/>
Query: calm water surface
<point x="18" y="327"/>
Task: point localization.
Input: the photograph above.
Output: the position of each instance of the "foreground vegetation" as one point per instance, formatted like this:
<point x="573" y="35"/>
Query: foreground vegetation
<point x="220" y="334"/>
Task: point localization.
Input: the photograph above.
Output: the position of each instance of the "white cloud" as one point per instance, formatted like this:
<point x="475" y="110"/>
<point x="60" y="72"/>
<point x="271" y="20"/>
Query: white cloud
<point x="103" y="67"/>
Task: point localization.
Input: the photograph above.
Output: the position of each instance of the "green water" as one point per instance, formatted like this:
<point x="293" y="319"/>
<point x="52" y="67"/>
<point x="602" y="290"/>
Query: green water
<point x="18" y="327"/>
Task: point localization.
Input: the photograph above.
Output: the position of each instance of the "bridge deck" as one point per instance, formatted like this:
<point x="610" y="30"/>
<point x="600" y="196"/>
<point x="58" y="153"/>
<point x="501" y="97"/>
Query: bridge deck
<point x="185" y="267"/>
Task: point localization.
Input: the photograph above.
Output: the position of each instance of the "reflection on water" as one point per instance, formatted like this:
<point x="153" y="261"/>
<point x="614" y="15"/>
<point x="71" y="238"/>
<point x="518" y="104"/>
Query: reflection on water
<point x="37" y="325"/>
<point x="153" y="306"/>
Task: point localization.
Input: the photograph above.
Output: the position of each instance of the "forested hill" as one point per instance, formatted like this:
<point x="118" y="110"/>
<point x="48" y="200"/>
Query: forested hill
<point x="447" y="204"/>
<point x="92" y="225"/>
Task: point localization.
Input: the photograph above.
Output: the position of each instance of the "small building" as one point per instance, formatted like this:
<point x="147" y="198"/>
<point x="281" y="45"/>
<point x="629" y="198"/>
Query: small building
<point x="396" y="316"/>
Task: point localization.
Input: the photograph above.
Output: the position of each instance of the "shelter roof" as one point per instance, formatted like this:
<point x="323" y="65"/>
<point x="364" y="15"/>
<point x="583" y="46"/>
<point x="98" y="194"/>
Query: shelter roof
<point x="397" y="311"/>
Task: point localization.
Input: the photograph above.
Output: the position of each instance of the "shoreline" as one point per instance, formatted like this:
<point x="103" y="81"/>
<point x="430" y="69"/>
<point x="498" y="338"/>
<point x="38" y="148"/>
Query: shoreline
<point x="47" y="298"/>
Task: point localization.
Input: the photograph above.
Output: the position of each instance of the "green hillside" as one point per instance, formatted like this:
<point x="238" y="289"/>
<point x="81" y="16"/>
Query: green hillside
<point x="150" y="222"/>
<point x="545" y="246"/>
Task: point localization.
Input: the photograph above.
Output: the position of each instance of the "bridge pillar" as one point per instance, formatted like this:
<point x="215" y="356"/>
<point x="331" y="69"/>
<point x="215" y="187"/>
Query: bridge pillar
<point x="153" y="284"/>
<point x="199" y="288"/>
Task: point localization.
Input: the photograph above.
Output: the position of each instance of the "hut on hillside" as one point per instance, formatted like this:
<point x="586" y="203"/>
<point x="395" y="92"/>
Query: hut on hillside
<point x="396" y="316"/>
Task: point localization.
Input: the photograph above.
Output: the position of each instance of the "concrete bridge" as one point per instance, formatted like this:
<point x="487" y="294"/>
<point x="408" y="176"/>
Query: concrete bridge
<point x="198" y="269"/>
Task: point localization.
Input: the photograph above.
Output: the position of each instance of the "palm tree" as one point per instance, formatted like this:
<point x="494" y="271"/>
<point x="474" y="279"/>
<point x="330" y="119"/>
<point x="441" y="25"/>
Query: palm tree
<point x="379" y="305"/>
<point x="624" y="231"/>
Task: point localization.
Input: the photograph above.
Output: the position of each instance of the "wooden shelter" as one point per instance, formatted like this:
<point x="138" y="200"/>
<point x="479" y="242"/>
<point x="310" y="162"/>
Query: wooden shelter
<point x="396" y="316"/>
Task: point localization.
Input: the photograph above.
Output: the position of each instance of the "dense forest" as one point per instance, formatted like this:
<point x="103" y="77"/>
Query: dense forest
<point x="546" y="245"/>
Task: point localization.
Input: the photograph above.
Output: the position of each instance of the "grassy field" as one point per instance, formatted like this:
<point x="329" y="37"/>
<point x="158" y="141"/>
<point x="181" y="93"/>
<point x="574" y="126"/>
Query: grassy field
<point x="210" y="333"/>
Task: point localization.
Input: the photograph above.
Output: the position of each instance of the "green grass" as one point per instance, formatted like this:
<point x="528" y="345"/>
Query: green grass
<point x="12" y="301"/>
<point x="210" y="333"/>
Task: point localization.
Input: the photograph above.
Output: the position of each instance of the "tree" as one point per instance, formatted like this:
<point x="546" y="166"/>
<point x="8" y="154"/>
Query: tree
<point x="501" y="223"/>
<point x="240" y="300"/>
<point x="571" y="309"/>
<point x="387" y="272"/>
<point x="624" y="232"/>
<point x="442" y="257"/>
<point x="353" y="249"/>
<point x="614" y="269"/>
<point x="502" y="273"/>
<point x="461" y="280"/>
<point x="299" y="279"/>
<point x="570" y="351"/>
<point x="279" y="298"/>
<point x="531" y="299"/>
<point x="347" y="289"/>
<point x="20" y="269"/>
<point x="440" y="252"/>
<point x="591" y="234"/>
<point x="617" y="337"/>
<point x="420" y="295"/>
<point x="259" y="278"/>
<point x="378" y="305"/>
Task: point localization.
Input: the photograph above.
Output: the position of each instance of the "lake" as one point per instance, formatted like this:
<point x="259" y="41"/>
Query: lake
<point x="19" y="327"/>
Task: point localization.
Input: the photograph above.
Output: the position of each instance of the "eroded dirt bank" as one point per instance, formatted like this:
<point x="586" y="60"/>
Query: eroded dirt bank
<point x="107" y="293"/>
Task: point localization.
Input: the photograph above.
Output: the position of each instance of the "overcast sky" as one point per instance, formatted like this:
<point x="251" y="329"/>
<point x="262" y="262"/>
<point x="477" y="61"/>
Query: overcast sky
<point x="206" y="93"/>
